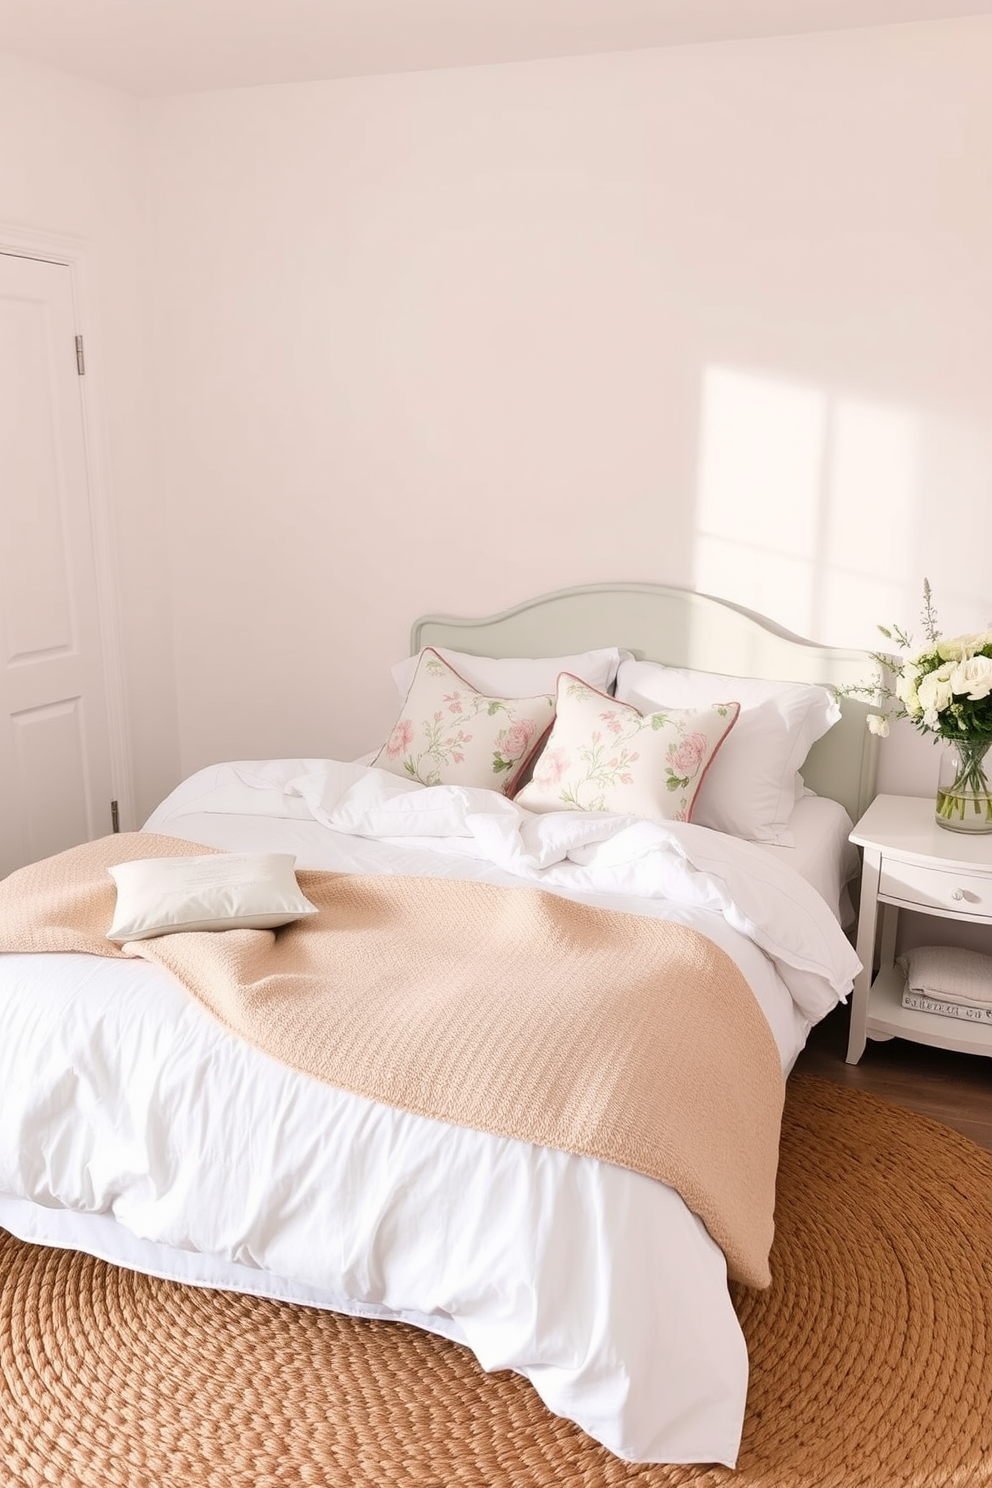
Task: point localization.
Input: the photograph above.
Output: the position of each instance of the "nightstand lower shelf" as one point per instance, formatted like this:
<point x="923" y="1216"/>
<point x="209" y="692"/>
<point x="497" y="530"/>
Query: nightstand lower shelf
<point x="887" y="1018"/>
<point x="911" y="863"/>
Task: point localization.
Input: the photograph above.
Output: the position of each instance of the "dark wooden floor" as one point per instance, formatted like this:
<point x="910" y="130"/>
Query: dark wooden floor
<point x="955" y="1089"/>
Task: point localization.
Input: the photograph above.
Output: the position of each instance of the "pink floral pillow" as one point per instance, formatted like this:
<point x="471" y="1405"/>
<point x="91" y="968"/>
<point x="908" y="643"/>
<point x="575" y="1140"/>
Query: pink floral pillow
<point x="449" y="734"/>
<point x="603" y="755"/>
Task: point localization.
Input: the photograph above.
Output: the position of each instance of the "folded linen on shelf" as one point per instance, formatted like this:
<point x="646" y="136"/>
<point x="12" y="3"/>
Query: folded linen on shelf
<point x="948" y="975"/>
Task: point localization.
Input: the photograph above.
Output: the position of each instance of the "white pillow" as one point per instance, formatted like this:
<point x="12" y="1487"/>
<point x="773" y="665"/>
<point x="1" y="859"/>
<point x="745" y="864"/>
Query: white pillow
<point x="448" y="733"/>
<point x="604" y="755"/>
<point x="513" y="677"/>
<point x="754" y="782"/>
<point x="217" y="891"/>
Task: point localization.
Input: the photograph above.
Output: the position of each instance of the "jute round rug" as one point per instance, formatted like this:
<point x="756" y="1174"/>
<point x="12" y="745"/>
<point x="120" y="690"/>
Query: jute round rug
<point x="871" y="1354"/>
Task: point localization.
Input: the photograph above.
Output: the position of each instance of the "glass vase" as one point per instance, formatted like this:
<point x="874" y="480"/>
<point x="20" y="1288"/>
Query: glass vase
<point x="964" y="795"/>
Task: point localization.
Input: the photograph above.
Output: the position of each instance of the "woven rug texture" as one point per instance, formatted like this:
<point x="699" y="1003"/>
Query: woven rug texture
<point x="871" y="1355"/>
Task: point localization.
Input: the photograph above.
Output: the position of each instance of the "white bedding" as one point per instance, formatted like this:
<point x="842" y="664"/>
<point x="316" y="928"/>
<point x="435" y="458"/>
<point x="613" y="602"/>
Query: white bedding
<point x="822" y="852"/>
<point x="135" y="1128"/>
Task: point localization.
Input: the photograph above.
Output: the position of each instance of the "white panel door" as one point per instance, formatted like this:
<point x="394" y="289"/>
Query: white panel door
<point x="55" y="774"/>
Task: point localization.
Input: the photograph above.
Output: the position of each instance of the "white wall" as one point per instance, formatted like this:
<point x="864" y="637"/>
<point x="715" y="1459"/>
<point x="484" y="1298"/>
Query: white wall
<point x="714" y="316"/>
<point x="71" y="164"/>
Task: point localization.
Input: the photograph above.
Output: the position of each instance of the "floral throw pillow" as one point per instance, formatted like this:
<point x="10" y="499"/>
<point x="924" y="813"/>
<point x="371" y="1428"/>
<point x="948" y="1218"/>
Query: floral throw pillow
<point x="603" y="755"/>
<point x="449" y="734"/>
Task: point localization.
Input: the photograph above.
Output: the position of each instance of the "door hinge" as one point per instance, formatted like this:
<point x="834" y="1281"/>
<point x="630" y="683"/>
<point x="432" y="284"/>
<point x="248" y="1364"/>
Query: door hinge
<point x="115" y="817"/>
<point x="80" y="363"/>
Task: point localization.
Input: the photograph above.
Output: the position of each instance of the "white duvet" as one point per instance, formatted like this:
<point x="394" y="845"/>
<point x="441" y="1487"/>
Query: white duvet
<point x="134" y="1127"/>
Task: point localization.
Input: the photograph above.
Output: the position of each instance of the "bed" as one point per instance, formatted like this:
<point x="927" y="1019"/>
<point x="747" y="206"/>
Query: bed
<point x="137" y="1127"/>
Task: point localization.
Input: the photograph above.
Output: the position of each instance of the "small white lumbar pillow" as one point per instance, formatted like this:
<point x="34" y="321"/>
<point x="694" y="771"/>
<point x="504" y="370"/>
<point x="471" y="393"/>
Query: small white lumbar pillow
<point x="218" y="891"/>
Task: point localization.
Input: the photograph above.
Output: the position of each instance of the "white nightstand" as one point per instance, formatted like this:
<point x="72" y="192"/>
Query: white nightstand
<point x="911" y="863"/>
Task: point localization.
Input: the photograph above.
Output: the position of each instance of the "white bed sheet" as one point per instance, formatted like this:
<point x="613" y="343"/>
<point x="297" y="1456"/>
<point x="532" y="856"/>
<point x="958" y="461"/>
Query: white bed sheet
<point x="539" y="1261"/>
<point x="822" y="852"/>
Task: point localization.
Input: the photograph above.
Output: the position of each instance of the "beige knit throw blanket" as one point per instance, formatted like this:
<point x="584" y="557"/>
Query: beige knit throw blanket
<point x="512" y="1010"/>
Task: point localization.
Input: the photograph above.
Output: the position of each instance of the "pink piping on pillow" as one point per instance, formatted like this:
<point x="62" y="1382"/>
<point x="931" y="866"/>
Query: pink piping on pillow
<point x="519" y="776"/>
<point x="520" y="780"/>
<point x="522" y="776"/>
<point x="706" y="769"/>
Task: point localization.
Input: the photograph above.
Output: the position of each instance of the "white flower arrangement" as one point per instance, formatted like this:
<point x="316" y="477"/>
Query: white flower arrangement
<point x="943" y="688"/>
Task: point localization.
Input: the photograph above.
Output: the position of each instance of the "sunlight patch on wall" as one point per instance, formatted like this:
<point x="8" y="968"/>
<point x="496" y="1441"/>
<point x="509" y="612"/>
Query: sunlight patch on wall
<point x="759" y="489"/>
<point x="807" y="508"/>
<point x="871" y="520"/>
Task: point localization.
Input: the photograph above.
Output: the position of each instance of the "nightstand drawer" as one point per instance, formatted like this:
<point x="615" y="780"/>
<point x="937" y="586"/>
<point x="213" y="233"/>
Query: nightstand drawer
<point x="959" y="894"/>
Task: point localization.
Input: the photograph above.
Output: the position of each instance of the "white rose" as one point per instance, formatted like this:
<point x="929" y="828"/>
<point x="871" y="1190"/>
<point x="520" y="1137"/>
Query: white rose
<point x="960" y="648"/>
<point x="973" y="677"/>
<point x="877" y="724"/>
<point x="934" y="692"/>
<point x="906" y="686"/>
<point x="911" y="702"/>
<point x="906" y="681"/>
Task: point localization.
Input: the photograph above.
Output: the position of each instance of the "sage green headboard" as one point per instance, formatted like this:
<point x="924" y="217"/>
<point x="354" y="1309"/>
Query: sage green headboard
<point x="682" y="628"/>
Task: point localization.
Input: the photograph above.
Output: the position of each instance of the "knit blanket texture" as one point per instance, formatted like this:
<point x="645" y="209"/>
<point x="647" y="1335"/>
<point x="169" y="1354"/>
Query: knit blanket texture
<point x="609" y="1034"/>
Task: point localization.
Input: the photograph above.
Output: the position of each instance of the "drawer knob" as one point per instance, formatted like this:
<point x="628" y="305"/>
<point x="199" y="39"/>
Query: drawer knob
<point x="958" y="894"/>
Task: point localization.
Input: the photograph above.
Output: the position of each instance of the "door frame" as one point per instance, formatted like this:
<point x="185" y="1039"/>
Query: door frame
<point x="21" y="242"/>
